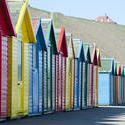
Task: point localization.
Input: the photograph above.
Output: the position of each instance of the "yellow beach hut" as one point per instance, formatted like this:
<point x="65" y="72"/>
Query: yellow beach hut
<point x="18" y="59"/>
<point x="97" y="75"/>
<point x="69" y="91"/>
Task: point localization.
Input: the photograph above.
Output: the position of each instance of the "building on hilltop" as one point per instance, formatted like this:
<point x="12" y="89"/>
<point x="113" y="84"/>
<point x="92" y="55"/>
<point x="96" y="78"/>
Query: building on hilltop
<point x="105" y="19"/>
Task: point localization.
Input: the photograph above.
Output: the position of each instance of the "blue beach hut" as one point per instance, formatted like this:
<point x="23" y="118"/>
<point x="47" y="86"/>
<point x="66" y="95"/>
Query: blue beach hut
<point x="105" y="88"/>
<point x="79" y="59"/>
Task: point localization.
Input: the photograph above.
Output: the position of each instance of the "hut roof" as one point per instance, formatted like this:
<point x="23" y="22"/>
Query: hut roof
<point x="71" y="53"/>
<point x="87" y="53"/>
<point x="38" y="30"/>
<point x="49" y="34"/>
<point x="7" y="18"/>
<point x="20" y="15"/>
<point x="62" y="43"/>
<point x="79" y="50"/>
<point x="107" y="65"/>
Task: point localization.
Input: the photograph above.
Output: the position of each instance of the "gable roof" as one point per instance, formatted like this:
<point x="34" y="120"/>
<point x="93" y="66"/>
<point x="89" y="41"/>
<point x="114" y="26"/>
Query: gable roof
<point x="36" y="24"/>
<point x="123" y="67"/>
<point x="49" y="34"/>
<point x="93" y="51"/>
<point x="107" y="65"/>
<point x="37" y="28"/>
<point x="123" y="72"/>
<point x="99" y="57"/>
<point x="115" y="68"/>
<point x="119" y="70"/>
<point x="87" y="53"/>
<point x="79" y="50"/>
<point x="15" y="8"/>
<point x="19" y="12"/>
<point x="71" y="53"/>
<point x="62" y="44"/>
<point x="7" y="19"/>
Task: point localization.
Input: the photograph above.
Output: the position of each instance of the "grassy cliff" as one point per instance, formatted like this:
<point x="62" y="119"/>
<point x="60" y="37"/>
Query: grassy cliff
<point x="110" y="38"/>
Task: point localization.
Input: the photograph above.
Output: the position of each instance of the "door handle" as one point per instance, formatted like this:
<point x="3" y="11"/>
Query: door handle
<point x="20" y="84"/>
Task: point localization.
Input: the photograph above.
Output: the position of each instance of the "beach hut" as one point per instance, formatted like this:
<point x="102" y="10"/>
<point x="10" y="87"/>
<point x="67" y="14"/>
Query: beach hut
<point x="6" y="30"/>
<point x="94" y="61"/>
<point x="116" y="83"/>
<point x="86" y="100"/>
<point x="61" y="69"/>
<point x="37" y="57"/>
<point x="69" y="91"/>
<point x="79" y="59"/>
<point x="105" y="89"/>
<point x="97" y="75"/>
<point x="122" y="84"/>
<point x="49" y="85"/>
<point x="18" y="73"/>
<point x="119" y="83"/>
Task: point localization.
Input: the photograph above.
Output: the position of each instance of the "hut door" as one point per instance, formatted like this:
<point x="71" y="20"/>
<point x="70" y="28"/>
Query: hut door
<point x="53" y="84"/>
<point x="60" y="83"/>
<point x="63" y="81"/>
<point x="84" y="87"/>
<point x="40" y="78"/>
<point x="30" y="79"/>
<point x="80" y="83"/>
<point x="76" y="85"/>
<point x="35" y="82"/>
<point x="45" y="79"/>
<point x="19" y="77"/>
<point x="49" y="79"/>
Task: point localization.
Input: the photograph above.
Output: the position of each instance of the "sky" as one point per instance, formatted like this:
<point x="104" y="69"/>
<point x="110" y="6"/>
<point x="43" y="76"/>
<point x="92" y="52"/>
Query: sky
<point x="89" y="9"/>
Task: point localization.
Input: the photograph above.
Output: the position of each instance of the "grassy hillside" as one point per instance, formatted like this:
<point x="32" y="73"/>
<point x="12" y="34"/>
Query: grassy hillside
<point x="110" y="38"/>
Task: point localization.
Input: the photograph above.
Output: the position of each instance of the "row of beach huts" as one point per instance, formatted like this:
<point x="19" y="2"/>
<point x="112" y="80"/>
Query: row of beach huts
<point x="44" y="70"/>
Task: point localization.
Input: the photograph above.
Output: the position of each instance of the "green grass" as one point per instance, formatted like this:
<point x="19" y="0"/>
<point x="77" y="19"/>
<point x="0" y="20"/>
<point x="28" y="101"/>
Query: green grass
<point x="110" y="38"/>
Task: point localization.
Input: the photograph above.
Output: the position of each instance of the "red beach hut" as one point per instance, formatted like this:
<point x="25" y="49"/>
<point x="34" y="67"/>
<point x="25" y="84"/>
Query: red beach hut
<point x="61" y="69"/>
<point x="6" y="31"/>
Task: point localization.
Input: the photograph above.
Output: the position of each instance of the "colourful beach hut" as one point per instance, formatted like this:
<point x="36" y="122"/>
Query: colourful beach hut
<point x="116" y="83"/>
<point x="122" y="84"/>
<point x="79" y="59"/>
<point x="94" y="61"/>
<point x="6" y="31"/>
<point x="119" y="83"/>
<point x="61" y="69"/>
<point x="37" y="57"/>
<point x="86" y="99"/>
<point x="69" y="92"/>
<point x="97" y="75"/>
<point x="49" y="85"/>
<point x="18" y="73"/>
<point x="105" y="89"/>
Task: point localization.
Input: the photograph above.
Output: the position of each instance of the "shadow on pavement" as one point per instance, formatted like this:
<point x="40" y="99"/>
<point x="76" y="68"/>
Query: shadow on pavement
<point x="96" y="116"/>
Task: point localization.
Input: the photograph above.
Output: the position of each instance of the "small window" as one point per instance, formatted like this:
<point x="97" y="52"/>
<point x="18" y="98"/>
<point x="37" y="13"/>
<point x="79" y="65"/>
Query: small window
<point x="34" y="56"/>
<point x="19" y="61"/>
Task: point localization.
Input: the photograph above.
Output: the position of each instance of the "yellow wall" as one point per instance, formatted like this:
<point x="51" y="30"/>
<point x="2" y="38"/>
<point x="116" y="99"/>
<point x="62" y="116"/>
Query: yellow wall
<point x="12" y="77"/>
<point x="72" y="83"/>
<point x="67" y="100"/>
<point x="18" y="99"/>
<point x="69" y="84"/>
<point x="25" y="90"/>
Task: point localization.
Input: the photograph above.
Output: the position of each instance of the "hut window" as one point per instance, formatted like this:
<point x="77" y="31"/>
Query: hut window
<point x="34" y="55"/>
<point x="19" y="61"/>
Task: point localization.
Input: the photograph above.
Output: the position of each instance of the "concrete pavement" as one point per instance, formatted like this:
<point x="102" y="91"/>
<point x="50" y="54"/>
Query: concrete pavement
<point x="97" y="116"/>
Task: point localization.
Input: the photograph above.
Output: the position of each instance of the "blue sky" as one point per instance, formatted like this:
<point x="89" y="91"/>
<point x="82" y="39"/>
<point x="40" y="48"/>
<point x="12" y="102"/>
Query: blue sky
<point x="89" y="9"/>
